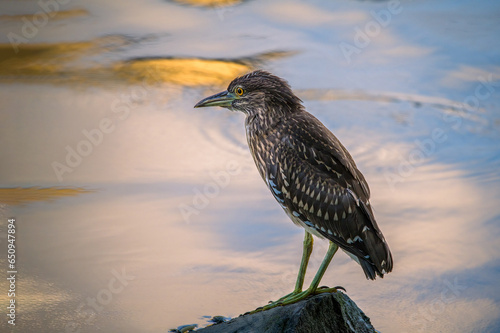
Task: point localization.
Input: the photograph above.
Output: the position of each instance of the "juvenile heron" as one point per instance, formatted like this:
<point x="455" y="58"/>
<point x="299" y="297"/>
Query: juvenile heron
<point x="311" y="175"/>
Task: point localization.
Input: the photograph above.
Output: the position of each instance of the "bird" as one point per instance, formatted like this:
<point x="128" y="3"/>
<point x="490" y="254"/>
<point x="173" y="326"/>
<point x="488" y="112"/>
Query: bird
<point x="311" y="175"/>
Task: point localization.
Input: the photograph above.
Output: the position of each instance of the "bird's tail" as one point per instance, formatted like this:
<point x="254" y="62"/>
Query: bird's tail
<point x="380" y="261"/>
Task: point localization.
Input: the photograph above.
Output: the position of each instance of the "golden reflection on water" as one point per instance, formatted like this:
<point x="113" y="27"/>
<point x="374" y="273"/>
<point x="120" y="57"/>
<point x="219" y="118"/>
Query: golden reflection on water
<point x="39" y="60"/>
<point x="184" y="72"/>
<point x="61" y="63"/>
<point x="21" y="195"/>
<point x="54" y="15"/>
<point x="51" y="62"/>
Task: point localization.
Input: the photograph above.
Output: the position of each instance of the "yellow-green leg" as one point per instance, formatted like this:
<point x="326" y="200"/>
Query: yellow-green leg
<point x="298" y="294"/>
<point x="313" y="288"/>
<point x="306" y="254"/>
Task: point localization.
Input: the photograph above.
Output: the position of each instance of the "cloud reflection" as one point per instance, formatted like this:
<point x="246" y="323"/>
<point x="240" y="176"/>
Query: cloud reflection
<point x="310" y="15"/>
<point x="469" y="74"/>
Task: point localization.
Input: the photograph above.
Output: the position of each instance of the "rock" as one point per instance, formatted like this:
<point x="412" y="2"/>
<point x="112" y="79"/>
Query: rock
<point x="327" y="312"/>
<point x="218" y="319"/>
<point x="184" y="328"/>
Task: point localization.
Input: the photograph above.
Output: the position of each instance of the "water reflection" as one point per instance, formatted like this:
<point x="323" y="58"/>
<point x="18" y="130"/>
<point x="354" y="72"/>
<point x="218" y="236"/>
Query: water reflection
<point x="64" y="63"/>
<point x="457" y="108"/>
<point x="20" y="195"/>
<point x="55" y="14"/>
<point x="209" y="3"/>
<point x="177" y="206"/>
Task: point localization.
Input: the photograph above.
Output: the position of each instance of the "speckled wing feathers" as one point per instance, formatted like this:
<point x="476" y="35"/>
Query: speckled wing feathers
<point x="315" y="180"/>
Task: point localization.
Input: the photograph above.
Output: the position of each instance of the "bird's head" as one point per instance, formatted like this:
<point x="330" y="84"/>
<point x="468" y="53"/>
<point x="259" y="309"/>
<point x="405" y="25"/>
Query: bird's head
<point x="255" y="93"/>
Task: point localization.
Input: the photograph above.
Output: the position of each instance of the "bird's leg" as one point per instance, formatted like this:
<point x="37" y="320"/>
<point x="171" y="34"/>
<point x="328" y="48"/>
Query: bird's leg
<point x="313" y="288"/>
<point x="306" y="254"/>
<point x="332" y="249"/>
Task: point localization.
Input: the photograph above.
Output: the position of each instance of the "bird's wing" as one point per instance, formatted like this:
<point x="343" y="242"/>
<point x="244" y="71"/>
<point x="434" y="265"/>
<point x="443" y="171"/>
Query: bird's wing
<point x="321" y="186"/>
<point x="320" y="146"/>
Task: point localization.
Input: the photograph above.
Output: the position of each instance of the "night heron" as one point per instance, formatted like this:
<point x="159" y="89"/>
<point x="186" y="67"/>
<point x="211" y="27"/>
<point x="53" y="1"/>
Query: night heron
<point x="311" y="175"/>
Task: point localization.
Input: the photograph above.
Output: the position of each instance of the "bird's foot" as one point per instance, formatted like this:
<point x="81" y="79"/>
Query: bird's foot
<point x="296" y="296"/>
<point x="293" y="293"/>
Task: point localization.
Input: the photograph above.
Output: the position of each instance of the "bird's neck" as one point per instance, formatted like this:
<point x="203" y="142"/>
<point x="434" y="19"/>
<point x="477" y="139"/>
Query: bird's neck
<point x="260" y="123"/>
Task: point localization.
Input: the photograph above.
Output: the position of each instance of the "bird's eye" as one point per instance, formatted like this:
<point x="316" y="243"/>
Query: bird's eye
<point x="239" y="91"/>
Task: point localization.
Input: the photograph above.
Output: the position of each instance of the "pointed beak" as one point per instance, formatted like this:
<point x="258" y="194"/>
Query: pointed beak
<point x="224" y="99"/>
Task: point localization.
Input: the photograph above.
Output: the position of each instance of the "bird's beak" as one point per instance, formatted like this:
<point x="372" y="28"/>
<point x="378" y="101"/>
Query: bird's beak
<point x="223" y="99"/>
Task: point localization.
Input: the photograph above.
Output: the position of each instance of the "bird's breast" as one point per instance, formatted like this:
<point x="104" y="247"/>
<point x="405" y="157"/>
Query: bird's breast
<point x="263" y="150"/>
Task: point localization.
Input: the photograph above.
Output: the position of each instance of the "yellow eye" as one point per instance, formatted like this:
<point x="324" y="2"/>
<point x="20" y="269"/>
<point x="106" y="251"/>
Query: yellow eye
<point x="239" y="91"/>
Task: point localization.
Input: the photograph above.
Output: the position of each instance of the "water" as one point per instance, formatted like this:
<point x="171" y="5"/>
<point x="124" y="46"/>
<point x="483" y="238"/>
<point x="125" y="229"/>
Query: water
<point x="137" y="213"/>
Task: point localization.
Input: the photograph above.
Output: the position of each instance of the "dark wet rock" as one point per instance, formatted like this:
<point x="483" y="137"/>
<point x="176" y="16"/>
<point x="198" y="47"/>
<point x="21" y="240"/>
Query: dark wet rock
<point x="327" y="312"/>
<point x="184" y="328"/>
<point x="218" y="319"/>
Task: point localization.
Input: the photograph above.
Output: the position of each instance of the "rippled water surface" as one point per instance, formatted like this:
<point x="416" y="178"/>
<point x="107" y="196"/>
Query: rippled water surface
<point x="137" y="213"/>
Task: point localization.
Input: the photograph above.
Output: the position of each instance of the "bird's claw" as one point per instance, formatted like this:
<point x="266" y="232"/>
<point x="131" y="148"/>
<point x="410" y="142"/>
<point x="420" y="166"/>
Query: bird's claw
<point x="296" y="296"/>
